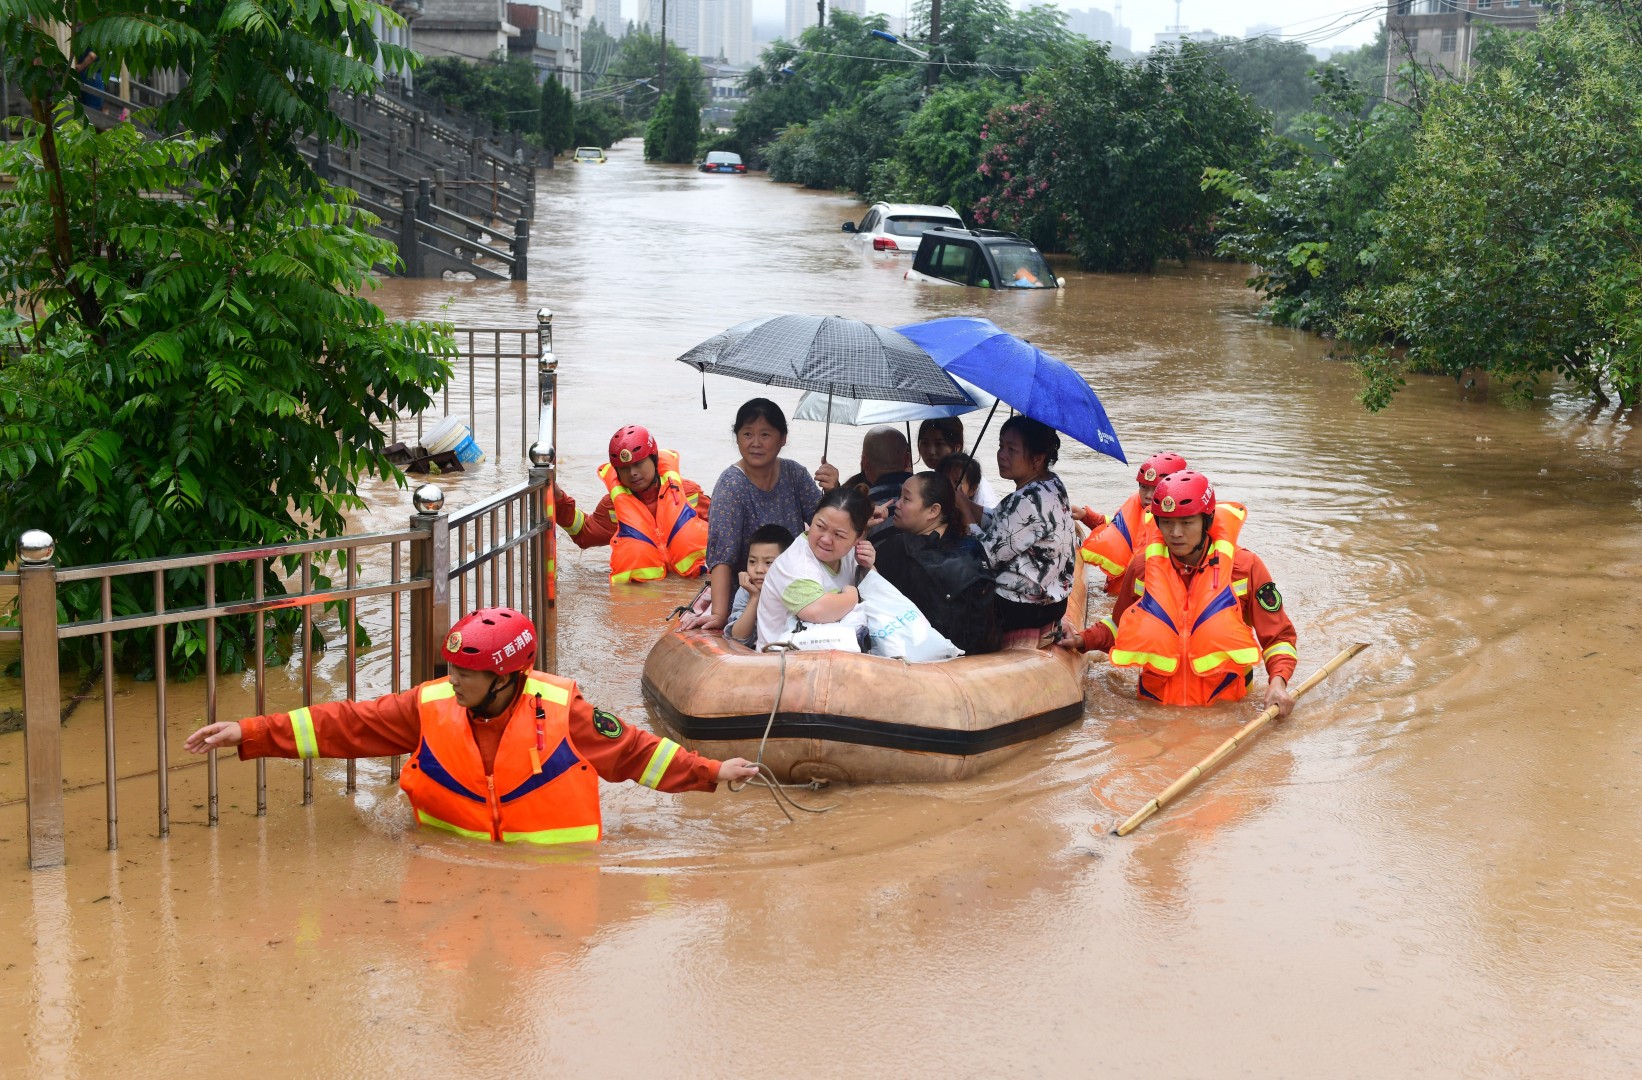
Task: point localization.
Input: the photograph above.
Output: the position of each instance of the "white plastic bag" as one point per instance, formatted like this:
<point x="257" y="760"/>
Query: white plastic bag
<point x="897" y="627"/>
<point x="820" y="637"/>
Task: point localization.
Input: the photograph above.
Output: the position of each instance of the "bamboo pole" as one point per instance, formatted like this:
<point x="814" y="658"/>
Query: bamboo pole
<point x="1208" y="764"/>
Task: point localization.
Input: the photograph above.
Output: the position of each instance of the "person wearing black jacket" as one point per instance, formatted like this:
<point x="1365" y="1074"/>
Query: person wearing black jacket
<point x="938" y="567"/>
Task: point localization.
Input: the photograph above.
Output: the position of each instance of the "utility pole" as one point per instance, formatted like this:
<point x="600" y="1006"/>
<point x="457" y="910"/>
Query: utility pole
<point x="821" y="13"/>
<point x="931" y="72"/>
<point x="661" y="80"/>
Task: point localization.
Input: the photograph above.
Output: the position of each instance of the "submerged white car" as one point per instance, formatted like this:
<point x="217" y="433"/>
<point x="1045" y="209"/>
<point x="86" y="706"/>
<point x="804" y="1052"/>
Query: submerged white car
<point x="897" y="227"/>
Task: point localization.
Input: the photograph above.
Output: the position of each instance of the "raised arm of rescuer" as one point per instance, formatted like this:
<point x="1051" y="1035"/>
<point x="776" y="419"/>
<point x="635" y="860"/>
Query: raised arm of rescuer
<point x="1195" y="612"/>
<point x="498" y="751"/>
<point x="653" y="519"/>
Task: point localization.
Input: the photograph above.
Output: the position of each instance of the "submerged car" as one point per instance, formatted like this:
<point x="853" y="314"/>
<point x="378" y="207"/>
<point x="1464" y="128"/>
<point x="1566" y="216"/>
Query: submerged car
<point x="898" y="227"/>
<point x="982" y="259"/>
<point x="587" y="155"/>
<point x="722" y="161"/>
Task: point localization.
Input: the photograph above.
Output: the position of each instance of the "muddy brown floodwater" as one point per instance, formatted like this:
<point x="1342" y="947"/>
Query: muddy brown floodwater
<point x="1431" y="870"/>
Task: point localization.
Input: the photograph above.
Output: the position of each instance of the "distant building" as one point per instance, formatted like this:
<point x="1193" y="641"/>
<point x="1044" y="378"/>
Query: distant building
<point x="397" y="81"/>
<point x="608" y="14"/>
<point x="683" y="21"/>
<point x="468" y="29"/>
<point x="1439" y="35"/>
<point x="727" y="31"/>
<point x="1169" y="38"/>
<point x="1098" y="25"/>
<point x="1259" y="30"/>
<point x="541" y="35"/>
<point x="803" y="13"/>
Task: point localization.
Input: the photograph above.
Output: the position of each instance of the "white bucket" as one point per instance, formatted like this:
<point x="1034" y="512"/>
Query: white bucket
<point x="451" y="434"/>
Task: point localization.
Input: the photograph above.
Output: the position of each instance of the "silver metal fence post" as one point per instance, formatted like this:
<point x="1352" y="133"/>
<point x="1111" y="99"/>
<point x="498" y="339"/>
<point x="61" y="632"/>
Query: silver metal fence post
<point x="544" y="462"/>
<point x="42" y="697"/>
<point x="430" y="559"/>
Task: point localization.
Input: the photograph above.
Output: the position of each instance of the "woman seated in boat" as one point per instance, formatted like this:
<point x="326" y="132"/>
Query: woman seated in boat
<point x="1031" y="538"/>
<point x="938" y="567"/>
<point x="814" y="580"/>
<point x="763" y="488"/>
<point x="654" y="520"/>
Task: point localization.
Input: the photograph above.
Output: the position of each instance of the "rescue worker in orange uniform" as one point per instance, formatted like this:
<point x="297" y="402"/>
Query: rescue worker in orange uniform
<point x="1195" y="612"/>
<point x="654" y="520"/>
<point x="500" y="752"/>
<point x="1112" y="543"/>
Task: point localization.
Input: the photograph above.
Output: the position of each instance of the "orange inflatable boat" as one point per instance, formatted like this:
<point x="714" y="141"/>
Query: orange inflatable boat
<point x="854" y="718"/>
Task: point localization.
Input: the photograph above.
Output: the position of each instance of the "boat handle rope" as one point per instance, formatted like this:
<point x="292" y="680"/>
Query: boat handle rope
<point x="766" y="776"/>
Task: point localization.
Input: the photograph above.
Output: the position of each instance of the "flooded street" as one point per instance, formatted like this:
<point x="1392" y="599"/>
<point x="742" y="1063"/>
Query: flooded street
<point x="1430" y="870"/>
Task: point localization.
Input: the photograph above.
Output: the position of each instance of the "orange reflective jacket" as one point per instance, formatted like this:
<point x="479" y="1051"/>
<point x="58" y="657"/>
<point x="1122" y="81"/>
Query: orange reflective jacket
<point x="542" y="790"/>
<point x="646" y="545"/>
<point x="1111" y="546"/>
<point x="1190" y="640"/>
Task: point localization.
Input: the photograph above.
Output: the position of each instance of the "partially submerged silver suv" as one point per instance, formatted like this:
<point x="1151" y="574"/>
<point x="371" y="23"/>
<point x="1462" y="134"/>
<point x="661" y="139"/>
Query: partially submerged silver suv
<point x="897" y="227"/>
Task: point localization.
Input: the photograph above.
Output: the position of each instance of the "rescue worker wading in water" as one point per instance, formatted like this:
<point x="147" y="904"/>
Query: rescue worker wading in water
<point x="500" y="752"/>
<point x="1112" y="543"/>
<point x="1195" y="612"/>
<point x="654" y="520"/>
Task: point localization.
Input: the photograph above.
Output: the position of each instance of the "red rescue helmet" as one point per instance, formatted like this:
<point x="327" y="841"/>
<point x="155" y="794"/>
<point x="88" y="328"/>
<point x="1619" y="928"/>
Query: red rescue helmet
<point x="632" y="443"/>
<point x="497" y="639"/>
<point x="1158" y="466"/>
<point x="1183" y="494"/>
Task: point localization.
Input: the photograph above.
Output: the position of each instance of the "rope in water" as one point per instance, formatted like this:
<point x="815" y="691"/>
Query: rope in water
<point x="766" y="776"/>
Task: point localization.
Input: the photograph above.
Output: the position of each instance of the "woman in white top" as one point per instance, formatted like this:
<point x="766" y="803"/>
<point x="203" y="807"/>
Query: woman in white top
<point x="814" y="580"/>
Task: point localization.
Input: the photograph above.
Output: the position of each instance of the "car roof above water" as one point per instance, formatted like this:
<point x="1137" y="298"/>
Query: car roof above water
<point x="916" y="210"/>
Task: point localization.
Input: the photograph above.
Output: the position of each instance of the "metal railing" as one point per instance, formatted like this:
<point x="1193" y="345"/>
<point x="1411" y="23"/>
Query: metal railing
<point x="397" y="585"/>
<point x="491" y="355"/>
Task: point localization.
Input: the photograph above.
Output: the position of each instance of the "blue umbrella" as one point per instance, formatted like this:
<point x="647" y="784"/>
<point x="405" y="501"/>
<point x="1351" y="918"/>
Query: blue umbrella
<point x="1021" y="375"/>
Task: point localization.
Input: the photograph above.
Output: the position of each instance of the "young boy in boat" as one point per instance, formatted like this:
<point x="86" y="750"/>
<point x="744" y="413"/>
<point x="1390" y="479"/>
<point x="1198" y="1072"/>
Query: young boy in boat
<point x="654" y="520"/>
<point x="501" y="752"/>
<point x="814" y="580"/>
<point x="763" y="548"/>
<point x="964" y="474"/>
<point x="1195" y="612"/>
<point x="1111" y="543"/>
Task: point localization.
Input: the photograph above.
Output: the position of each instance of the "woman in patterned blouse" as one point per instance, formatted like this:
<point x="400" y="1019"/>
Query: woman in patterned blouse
<point x="1031" y="537"/>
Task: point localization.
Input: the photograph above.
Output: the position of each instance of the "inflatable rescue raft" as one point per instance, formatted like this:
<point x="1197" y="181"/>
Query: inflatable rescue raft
<point x="855" y="718"/>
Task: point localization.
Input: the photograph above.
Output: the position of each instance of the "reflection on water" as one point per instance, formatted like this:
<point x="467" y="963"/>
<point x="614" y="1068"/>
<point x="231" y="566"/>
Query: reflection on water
<point x="1429" y="870"/>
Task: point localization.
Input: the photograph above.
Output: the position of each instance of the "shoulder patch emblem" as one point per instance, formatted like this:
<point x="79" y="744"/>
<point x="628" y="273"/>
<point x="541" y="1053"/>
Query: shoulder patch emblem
<point x="1269" y="597"/>
<point x="607" y="724"/>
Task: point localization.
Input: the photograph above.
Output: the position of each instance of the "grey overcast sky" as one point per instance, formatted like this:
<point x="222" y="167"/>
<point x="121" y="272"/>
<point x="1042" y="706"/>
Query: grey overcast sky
<point x="1322" y="22"/>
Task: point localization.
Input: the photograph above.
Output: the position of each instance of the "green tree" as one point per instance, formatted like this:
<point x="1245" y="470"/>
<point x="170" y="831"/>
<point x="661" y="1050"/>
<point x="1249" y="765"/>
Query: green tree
<point x="675" y="127"/>
<point x="1274" y="73"/>
<point x="1307" y="216"/>
<point x="201" y="372"/>
<point x="1105" y="159"/>
<point x="556" y="120"/>
<point x="1512" y="236"/>
<point x="600" y="124"/>
<point x="937" y="156"/>
<point x="500" y="90"/>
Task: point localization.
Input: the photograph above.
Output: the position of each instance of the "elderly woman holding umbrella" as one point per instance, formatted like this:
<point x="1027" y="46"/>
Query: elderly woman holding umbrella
<point x="828" y="354"/>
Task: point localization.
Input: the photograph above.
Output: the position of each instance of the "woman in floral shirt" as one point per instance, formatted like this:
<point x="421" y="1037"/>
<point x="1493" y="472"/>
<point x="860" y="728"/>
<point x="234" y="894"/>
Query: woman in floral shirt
<point x="1031" y="537"/>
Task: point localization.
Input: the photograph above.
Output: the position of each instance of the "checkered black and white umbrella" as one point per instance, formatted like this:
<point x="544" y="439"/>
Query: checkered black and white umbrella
<point x="846" y="358"/>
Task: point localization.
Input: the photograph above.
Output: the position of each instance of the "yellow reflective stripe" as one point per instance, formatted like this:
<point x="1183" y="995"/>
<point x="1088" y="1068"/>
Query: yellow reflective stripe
<point x="1240" y="657"/>
<point x="684" y="565"/>
<point x="302" y="728"/>
<point x="558" y="695"/>
<point x="1238" y="512"/>
<point x="643" y="573"/>
<point x="1156" y="551"/>
<point x="672" y="478"/>
<point x="659" y="761"/>
<point x="1225" y="547"/>
<point x="428" y="819"/>
<point x="1240" y="587"/>
<point x="437" y="691"/>
<point x="577" y="834"/>
<point x="1107" y="565"/>
<point x="1110" y="624"/>
<point x="620" y="489"/>
<point x="1280" y="648"/>
<point x="577" y="523"/>
<point x="1140" y="587"/>
<point x="693" y="500"/>
<point x="1125" y="658"/>
<point x="552" y="566"/>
